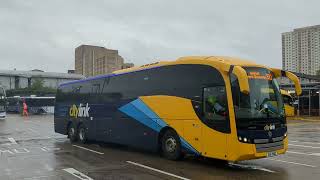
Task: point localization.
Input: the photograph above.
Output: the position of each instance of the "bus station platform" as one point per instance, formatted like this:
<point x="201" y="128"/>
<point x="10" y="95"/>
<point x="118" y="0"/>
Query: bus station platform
<point x="305" y="118"/>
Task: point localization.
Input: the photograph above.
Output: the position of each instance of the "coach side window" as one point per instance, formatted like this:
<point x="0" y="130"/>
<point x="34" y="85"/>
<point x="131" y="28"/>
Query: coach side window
<point x="215" y="103"/>
<point x="215" y="108"/>
<point x="76" y="89"/>
<point x="96" y="86"/>
<point x="113" y="89"/>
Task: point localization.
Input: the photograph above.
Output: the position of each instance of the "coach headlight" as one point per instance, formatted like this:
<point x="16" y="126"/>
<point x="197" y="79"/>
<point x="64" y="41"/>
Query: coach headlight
<point x="244" y="139"/>
<point x="285" y="135"/>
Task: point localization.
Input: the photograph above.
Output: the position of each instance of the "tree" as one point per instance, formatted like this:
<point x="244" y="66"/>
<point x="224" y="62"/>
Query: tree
<point x="37" y="84"/>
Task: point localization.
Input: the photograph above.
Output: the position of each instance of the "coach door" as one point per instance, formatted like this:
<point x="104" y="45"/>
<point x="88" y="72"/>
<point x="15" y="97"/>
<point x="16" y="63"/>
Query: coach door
<point x="215" y="116"/>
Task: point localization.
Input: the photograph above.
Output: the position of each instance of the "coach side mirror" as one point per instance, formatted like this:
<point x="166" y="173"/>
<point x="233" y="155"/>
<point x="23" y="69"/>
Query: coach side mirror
<point x="296" y="82"/>
<point x="291" y="76"/>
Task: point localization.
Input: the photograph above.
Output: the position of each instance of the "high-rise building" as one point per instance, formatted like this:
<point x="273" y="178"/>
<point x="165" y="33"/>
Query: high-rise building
<point x="301" y="50"/>
<point x="95" y="60"/>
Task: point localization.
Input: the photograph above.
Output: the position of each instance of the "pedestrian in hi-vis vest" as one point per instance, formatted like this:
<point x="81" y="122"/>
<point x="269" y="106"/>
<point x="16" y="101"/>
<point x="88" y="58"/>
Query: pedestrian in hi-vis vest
<point x="25" y="108"/>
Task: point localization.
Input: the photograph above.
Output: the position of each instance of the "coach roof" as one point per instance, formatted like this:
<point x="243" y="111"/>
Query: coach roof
<point x="183" y="60"/>
<point x="194" y="60"/>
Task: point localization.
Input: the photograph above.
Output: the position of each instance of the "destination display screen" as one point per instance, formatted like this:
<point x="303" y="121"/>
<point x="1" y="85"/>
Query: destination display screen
<point x="259" y="75"/>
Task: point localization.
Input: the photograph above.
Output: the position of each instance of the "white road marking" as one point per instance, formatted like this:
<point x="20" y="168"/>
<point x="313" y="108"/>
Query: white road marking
<point x="298" y="145"/>
<point x="45" y="148"/>
<point x="24" y="150"/>
<point x="12" y="140"/>
<point x="77" y="174"/>
<point x="303" y="142"/>
<point x="88" y="149"/>
<point x="307" y="154"/>
<point x="5" y="151"/>
<point x="244" y="166"/>
<point x="290" y="162"/>
<point x="157" y="170"/>
<point x="50" y="149"/>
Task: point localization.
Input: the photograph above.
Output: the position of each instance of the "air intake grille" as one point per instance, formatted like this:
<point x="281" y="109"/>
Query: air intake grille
<point x="268" y="147"/>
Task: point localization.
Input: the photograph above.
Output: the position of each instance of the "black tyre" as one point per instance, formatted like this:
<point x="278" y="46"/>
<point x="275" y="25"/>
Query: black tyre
<point x="82" y="134"/>
<point x="171" y="145"/>
<point x="72" y="133"/>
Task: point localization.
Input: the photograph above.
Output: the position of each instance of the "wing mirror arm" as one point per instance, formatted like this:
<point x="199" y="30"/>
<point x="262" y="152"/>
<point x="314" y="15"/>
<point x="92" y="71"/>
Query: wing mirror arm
<point x="291" y="76"/>
<point x="242" y="78"/>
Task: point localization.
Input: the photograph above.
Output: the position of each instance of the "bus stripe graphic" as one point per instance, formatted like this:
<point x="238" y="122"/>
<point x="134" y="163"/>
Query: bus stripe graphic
<point x="138" y="115"/>
<point x="139" y="111"/>
<point x="145" y="109"/>
<point x="186" y="145"/>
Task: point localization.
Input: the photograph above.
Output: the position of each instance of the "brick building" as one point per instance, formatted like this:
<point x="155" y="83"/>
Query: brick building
<point x="96" y="60"/>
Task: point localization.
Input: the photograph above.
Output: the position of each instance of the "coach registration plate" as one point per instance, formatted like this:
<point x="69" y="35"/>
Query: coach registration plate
<point x="271" y="154"/>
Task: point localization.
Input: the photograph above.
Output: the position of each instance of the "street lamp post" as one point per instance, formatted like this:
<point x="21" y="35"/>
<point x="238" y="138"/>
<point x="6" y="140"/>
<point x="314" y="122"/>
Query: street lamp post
<point x="319" y="102"/>
<point x="309" y="103"/>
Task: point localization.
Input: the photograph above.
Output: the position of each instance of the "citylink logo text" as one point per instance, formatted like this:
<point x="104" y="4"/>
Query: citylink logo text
<point x="269" y="127"/>
<point x="80" y="111"/>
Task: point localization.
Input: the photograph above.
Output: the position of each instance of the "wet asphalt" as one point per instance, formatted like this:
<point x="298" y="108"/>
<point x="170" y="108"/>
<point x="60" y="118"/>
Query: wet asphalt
<point x="29" y="149"/>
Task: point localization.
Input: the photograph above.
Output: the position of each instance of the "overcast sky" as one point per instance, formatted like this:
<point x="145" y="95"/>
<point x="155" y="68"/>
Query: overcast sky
<point x="42" y="34"/>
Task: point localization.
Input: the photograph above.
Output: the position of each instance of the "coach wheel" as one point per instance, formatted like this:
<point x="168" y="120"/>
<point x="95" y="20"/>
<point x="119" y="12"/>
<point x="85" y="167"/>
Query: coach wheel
<point x="171" y="146"/>
<point x="82" y="134"/>
<point x="72" y="133"/>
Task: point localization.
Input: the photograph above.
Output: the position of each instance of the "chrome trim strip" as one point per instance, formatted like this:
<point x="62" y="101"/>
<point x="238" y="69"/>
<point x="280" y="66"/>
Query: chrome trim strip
<point x="267" y="147"/>
<point x="259" y="141"/>
<point x="278" y="138"/>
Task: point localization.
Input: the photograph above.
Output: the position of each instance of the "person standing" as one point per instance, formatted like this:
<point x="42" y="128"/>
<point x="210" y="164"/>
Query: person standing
<point x="25" y="109"/>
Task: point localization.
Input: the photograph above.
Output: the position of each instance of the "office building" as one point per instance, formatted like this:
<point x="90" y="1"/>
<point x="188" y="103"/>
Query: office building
<point x="95" y="60"/>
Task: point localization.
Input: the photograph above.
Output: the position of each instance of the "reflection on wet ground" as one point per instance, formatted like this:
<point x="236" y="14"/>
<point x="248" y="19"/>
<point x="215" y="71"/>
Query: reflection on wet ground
<point x="29" y="149"/>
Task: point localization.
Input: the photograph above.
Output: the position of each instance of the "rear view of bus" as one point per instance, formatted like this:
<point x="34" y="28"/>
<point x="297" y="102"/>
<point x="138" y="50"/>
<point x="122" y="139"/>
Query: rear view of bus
<point x="2" y="103"/>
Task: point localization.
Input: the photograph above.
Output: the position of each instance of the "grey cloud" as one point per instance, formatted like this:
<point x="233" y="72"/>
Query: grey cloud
<point x="43" y="34"/>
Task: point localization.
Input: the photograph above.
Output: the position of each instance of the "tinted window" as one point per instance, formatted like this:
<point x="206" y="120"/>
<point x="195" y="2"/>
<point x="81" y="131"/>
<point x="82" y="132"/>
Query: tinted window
<point x="215" y="103"/>
<point x="179" y="80"/>
<point x="215" y="108"/>
<point x="63" y="93"/>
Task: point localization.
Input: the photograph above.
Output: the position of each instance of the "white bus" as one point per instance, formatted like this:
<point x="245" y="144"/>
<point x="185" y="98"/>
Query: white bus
<point x="3" y="103"/>
<point x="38" y="105"/>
